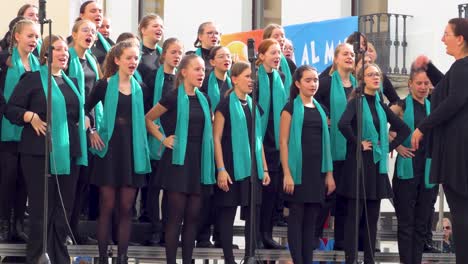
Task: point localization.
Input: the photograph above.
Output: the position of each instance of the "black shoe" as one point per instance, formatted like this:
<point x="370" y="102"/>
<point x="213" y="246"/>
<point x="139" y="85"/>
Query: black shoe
<point x="205" y="244"/>
<point x="86" y="240"/>
<point x="217" y="244"/>
<point x="144" y="218"/>
<point x="18" y="232"/>
<point x="133" y="244"/>
<point x="269" y="243"/>
<point x="122" y="259"/>
<point x="154" y="240"/>
<point x="428" y="248"/>
<point x="68" y="241"/>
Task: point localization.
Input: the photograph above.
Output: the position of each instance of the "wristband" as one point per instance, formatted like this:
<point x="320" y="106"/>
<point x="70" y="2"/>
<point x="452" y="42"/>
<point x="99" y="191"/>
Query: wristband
<point x="163" y="138"/>
<point x="32" y="117"/>
<point x="265" y="170"/>
<point x="220" y="169"/>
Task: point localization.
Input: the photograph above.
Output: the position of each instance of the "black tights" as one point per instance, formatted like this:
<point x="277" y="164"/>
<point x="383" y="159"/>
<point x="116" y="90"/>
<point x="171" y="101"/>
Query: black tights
<point x="226" y="217"/>
<point x="107" y="203"/>
<point x="301" y="229"/>
<point x="183" y="207"/>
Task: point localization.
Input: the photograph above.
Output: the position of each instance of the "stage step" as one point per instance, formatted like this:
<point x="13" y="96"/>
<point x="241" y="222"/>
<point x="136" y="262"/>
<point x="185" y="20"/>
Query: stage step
<point x="142" y="253"/>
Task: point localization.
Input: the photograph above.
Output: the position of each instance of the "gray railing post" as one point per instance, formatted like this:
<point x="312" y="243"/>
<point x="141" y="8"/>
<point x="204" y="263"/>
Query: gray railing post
<point x="404" y="44"/>
<point x="397" y="46"/>
<point x="388" y="42"/>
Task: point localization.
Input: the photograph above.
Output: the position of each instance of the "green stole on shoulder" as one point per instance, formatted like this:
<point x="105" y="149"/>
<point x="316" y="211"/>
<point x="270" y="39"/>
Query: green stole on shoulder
<point x="279" y="99"/>
<point x="12" y="132"/>
<point x="60" y="154"/>
<point x="287" y="73"/>
<point x="141" y="161"/>
<point x="338" y="102"/>
<point x="295" y="141"/>
<point x="213" y="89"/>
<point x="156" y="146"/>
<point x="379" y="139"/>
<point x="240" y="139"/>
<point x="104" y="42"/>
<point x="405" y="165"/>
<point x="181" y="133"/>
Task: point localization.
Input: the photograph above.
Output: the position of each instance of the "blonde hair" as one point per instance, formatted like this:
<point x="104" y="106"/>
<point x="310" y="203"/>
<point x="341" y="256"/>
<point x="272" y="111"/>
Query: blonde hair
<point x="144" y="22"/>
<point x="335" y="55"/>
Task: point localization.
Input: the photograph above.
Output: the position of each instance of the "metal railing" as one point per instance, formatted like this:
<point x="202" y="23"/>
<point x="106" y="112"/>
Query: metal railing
<point x="387" y="31"/>
<point x="463" y="10"/>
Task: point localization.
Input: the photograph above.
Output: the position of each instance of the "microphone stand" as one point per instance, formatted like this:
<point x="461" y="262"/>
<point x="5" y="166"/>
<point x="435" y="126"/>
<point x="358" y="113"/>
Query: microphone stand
<point x="359" y="161"/>
<point x="250" y="251"/>
<point x="44" y="259"/>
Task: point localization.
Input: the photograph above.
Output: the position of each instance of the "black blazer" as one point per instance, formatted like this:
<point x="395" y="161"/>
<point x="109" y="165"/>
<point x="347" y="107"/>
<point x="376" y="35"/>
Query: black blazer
<point x="29" y="96"/>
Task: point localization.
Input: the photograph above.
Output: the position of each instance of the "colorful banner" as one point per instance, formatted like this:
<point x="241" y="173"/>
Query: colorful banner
<point x="314" y="43"/>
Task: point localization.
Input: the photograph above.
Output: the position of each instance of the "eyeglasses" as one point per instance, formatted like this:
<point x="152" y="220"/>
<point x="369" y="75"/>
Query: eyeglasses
<point x="447" y="227"/>
<point x="289" y="48"/>
<point x="88" y="30"/>
<point x="373" y="74"/>
<point x="213" y="33"/>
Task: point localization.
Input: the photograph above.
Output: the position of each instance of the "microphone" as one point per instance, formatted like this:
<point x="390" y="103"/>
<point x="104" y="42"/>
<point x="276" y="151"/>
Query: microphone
<point x="42" y="11"/>
<point x="251" y="49"/>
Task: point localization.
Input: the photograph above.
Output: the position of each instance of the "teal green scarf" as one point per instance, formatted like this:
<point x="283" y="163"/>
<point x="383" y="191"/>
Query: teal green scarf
<point x="379" y="139"/>
<point x="60" y="154"/>
<point x="104" y="42"/>
<point x="181" y="133"/>
<point x="12" y="132"/>
<point x="241" y="142"/>
<point x="295" y="141"/>
<point x="198" y="51"/>
<point x="338" y="102"/>
<point x="213" y="89"/>
<point x="405" y="165"/>
<point x="39" y="45"/>
<point x="287" y="73"/>
<point x="156" y="147"/>
<point x="279" y="99"/>
<point x="141" y="161"/>
<point x="75" y="70"/>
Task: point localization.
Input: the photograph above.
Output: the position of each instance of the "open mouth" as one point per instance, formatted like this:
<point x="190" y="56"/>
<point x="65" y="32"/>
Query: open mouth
<point x="227" y="65"/>
<point x="88" y="40"/>
<point x="32" y="46"/>
<point x="132" y="67"/>
<point x="176" y="62"/>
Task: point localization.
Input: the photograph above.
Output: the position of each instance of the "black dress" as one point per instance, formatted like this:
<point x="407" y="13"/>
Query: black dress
<point x="116" y="167"/>
<point x="99" y="51"/>
<point x="239" y="191"/>
<point x="183" y="178"/>
<point x="377" y="185"/>
<point x="223" y="86"/>
<point x="312" y="188"/>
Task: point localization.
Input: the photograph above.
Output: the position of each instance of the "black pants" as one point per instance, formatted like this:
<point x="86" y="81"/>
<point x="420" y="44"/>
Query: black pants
<point x="225" y="221"/>
<point x="413" y="208"/>
<point x="57" y="230"/>
<point x="82" y="194"/>
<point x="370" y="231"/>
<point x="459" y="209"/>
<point x="301" y="229"/>
<point x="270" y="196"/>
<point x="13" y="194"/>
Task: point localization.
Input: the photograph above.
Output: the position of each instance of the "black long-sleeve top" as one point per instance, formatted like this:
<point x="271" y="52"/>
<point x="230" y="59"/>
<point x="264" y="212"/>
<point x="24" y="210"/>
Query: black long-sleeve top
<point x="29" y="96"/>
<point x="148" y="88"/>
<point x="99" y="51"/>
<point x="324" y="91"/>
<point x="348" y="122"/>
<point x="149" y="61"/>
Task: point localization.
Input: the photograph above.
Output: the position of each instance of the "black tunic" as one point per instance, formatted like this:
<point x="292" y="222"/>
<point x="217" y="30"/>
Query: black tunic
<point x="388" y="89"/>
<point x="148" y="92"/>
<point x="419" y="160"/>
<point x="29" y="96"/>
<point x="116" y="167"/>
<point x="223" y="86"/>
<point x="377" y="185"/>
<point x="149" y="61"/>
<point x="182" y="178"/>
<point x="98" y="50"/>
<point x="323" y="94"/>
<point x="239" y="191"/>
<point x="447" y="130"/>
<point x="312" y="188"/>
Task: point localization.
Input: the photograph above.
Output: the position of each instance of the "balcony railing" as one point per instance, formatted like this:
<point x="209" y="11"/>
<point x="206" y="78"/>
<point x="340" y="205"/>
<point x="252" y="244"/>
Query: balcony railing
<point x="463" y="10"/>
<point x="387" y="32"/>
